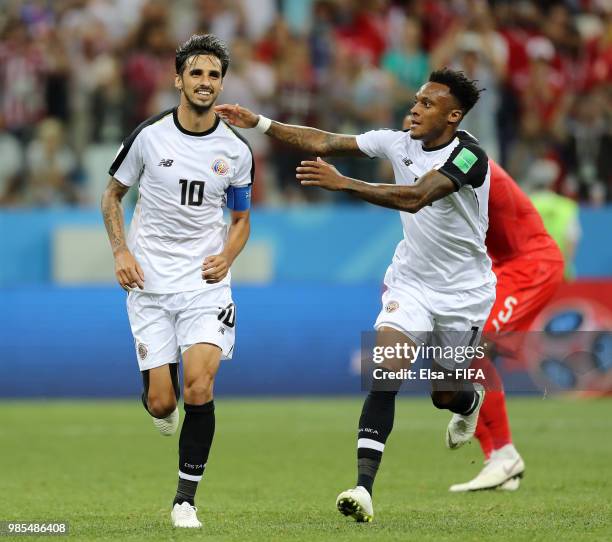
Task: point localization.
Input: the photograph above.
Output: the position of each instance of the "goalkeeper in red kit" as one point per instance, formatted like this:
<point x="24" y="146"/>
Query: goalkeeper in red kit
<point x="529" y="267"/>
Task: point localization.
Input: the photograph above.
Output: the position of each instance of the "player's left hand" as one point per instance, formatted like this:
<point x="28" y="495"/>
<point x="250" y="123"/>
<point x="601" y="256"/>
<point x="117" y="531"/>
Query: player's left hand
<point x="320" y="174"/>
<point x="215" y="268"/>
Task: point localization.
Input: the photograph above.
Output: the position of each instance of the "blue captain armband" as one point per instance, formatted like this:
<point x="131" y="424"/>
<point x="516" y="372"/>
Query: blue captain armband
<point x="239" y="198"/>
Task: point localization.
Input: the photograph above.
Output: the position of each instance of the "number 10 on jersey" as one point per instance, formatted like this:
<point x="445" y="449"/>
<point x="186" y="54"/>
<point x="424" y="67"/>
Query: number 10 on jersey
<point x="192" y="192"/>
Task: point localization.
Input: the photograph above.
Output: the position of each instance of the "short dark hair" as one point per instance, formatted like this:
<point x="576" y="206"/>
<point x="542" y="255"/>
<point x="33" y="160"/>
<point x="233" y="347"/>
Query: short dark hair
<point x="463" y="89"/>
<point x="202" y="44"/>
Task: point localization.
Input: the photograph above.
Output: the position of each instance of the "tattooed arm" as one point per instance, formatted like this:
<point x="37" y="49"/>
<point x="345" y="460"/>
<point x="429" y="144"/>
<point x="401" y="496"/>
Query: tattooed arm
<point x="315" y="141"/>
<point x="408" y="198"/>
<point x="308" y="139"/>
<point x="129" y="274"/>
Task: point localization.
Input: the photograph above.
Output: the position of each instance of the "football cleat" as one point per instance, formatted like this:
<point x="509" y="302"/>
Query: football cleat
<point x="512" y="484"/>
<point x="184" y="515"/>
<point x="356" y="503"/>
<point x="502" y="470"/>
<point x="167" y="426"/>
<point x="461" y="428"/>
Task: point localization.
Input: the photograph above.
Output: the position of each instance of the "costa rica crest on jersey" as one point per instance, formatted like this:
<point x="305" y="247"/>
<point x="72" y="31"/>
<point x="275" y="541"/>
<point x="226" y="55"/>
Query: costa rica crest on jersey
<point x="142" y="351"/>
<point x="220" y="167"/>
<point x="391" y="306"/>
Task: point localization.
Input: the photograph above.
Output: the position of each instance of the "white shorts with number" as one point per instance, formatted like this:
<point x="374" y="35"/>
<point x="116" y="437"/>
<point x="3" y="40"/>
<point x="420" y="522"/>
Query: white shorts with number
<point x="436" y="318"/>
<point x="165" y="325"/>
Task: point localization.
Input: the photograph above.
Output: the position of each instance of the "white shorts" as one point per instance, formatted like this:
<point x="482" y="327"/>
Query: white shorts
<point x="165" y="325"/>
<point x="436" y="318"/>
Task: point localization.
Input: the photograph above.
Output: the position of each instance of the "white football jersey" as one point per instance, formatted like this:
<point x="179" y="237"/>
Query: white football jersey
<point x="444" y="243"/>
<point x="183" y="178"/>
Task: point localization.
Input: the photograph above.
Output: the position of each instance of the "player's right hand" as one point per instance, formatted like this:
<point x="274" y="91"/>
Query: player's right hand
<point x="237" y="115"/>
<point x="129" y="274"/>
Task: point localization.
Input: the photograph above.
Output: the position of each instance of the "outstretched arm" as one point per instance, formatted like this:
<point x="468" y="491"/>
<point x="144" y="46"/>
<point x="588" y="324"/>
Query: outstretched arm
<point x="308" y="139"/>
<point x="430" y="187"/>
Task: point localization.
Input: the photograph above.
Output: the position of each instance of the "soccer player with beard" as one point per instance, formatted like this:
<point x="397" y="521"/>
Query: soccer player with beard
<point x="440" y="282"/>
<point x="175" y="263"/>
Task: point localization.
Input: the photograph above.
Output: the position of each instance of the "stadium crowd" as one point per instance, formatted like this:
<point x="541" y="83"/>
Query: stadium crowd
<point x="76" y="76"/>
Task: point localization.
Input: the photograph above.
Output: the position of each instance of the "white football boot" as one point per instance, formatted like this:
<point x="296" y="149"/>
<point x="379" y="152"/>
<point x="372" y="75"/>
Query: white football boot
<point x="184" y="515"/>
<point x="167" y="426"/>
<point x="461" y="428"/>
<point x="502" y="470"/>
<point x="357" y="503"/>
<point x="511" y="485"/>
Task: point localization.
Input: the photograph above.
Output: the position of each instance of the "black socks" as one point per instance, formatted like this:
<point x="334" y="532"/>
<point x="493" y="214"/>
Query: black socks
<point x="463" y="401"/>
<point x="375" y="425"/>
<point x="194" y="446"/>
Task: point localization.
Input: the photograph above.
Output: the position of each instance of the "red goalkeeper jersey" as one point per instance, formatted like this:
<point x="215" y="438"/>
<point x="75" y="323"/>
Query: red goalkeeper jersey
<point x="515" y="229"/>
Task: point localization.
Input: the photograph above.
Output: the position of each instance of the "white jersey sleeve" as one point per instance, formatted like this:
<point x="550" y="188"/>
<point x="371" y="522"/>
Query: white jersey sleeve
<point x="245" y="170"/>
<point x="377" y="143"/>
<point x="128" y="164"/>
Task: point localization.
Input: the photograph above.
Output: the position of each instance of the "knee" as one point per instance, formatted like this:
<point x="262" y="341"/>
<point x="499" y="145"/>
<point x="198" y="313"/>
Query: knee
<point x="161" y="406"/>
<point x="441" y="399"/>
<point x="200" y="390"/>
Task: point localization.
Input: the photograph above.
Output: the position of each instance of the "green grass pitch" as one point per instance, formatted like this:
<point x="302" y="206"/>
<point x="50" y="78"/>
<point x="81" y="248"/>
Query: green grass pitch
<point x="277" y="466"/>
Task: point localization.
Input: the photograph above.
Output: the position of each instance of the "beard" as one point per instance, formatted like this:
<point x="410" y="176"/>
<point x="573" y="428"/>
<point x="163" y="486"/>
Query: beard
<point x="197" y="108"/>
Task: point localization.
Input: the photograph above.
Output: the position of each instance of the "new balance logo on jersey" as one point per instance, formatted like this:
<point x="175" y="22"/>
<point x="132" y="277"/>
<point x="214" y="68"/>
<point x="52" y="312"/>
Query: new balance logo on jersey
<point x="165" y="162"/>
<point x="407" y="161"/>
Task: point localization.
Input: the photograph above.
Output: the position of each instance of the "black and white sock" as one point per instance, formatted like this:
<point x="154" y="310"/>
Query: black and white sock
<point x="375" y="425"/>
<point x="194" y="446"/>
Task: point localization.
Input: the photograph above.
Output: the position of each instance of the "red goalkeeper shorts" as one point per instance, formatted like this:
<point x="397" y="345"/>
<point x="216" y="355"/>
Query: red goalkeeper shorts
<point x="524" y="288"/>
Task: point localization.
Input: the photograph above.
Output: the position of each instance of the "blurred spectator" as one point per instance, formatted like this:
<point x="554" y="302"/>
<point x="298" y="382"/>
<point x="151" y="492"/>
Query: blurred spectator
<point x="49" y="165"/>
<point x="559" y="213"/>
<point x="258" y="16"/>
<point x="559" y="27"/>
<point x="321" y="37"/>
<point x="252" y="84"/>
<point x="58" y="76"/>
<point x="90" y="50"/>
<point x="273" y="42"/>
<point x="11" y="158"/>
<point x="109" y="104"/>
<point x="223" y="18"/>
<point x="22" y="80"/>
<point x="299" y="14"/>
<point x="362" y="27"/>
<point x="296" y="103"/>
<point x="544" y="105"/>
<point x="436" y="17"/>
<point x="117" y="18"/>
<point x="149" y="69"/>
<point x="475" y="47"/>
<point x="409" y="66"/>
<point x="357" y="99"/>
<point x="587" y="151"/>
<point x="357" y="93"/>
<point x="599" y="53"/>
